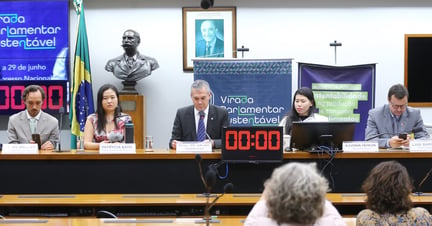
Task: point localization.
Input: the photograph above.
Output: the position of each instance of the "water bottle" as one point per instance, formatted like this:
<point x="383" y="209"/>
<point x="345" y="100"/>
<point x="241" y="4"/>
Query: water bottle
<point x="129" y="130"/>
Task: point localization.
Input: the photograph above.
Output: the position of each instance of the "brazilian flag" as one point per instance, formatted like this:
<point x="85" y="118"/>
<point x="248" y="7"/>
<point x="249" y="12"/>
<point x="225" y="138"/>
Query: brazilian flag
<point x="81" y="104"/>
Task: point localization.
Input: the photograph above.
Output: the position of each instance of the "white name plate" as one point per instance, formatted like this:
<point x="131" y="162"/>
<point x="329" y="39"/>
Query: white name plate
<point x="194" y="146"/>
<point x="360" y="146"/>
<point x="117" y="148"/>
<point x="421" y="145"/>
<point x="20" y="149"/>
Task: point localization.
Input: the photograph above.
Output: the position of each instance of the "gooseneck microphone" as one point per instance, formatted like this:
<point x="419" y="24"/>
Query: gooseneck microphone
<point x="199" y="160"/>
<point x="210" y="179"/>
<point x="228" y="188"/>
<point x="61" y="112"/>
<point x="209" y="138"/>
<point x="414" y="130"/>
<point x="419" y="192"/>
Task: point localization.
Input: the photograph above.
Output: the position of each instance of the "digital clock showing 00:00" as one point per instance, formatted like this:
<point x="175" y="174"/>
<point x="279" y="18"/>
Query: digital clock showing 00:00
<point x="253" y="138"/>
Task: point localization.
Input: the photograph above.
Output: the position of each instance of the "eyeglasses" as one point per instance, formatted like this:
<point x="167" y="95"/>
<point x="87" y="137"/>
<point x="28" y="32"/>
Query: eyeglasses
<point x="397" y="106"/>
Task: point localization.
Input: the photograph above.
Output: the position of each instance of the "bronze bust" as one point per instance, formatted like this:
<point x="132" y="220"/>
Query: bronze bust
<point x="131" y="66"/>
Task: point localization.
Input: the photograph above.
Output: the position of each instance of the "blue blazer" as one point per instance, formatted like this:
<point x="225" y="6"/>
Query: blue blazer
<point x="184" y="128"/>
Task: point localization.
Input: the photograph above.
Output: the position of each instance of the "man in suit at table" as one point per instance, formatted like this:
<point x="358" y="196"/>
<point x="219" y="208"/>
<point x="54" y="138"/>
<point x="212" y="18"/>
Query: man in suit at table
<point x="187" y="120"/>
<point x="394" y="118"/>
<point x="33" y="120"/>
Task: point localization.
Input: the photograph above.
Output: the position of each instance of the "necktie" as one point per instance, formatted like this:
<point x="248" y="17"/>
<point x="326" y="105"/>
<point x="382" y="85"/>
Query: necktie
<point x="395" y="125"/>
<point x="208" y="49"/>
<point x="130" y="61"/>
<point x="201" y="133"/>
<point x="33" y="125"/>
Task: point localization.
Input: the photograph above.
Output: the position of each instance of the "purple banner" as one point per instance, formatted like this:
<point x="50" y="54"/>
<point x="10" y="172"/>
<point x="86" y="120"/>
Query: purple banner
<point x="342" y="93"/>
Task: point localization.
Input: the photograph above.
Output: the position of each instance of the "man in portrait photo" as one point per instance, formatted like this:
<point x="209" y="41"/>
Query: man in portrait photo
<point x="209" y="38"/>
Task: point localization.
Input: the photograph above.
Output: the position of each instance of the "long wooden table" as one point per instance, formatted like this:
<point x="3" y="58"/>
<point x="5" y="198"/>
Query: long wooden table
<point x="79" y="221"/>
<point x="165" y="171"/>
<point x="161" y="204"/>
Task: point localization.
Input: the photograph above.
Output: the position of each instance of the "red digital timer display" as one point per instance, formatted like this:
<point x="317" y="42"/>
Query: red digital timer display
<point x="252" y="143"/>
<point x="11" y="95"/>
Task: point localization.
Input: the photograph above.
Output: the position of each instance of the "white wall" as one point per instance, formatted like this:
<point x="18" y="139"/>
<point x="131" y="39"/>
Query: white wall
<point x="370" y="32"/>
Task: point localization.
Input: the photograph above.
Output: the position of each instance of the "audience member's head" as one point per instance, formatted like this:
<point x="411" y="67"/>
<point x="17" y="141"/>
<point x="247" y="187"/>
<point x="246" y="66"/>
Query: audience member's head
<point x="388" y="187"/>
<point x="200" y="94"/>
<point x="296" y="193"/>
<point x="33" y="97"/>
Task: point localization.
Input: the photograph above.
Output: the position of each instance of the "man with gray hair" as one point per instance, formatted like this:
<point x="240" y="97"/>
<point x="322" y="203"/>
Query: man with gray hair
<point x="33" y="120"/>
<point x="201" y="120"/>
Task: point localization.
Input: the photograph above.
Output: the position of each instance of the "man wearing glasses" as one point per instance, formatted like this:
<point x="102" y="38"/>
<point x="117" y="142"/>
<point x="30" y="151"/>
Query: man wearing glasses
<point x="393" y="124"/>
<point x="24" y="124"/>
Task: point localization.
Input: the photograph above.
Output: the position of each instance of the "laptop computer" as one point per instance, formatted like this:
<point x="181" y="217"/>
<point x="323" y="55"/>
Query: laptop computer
<point x="321" y="136"/>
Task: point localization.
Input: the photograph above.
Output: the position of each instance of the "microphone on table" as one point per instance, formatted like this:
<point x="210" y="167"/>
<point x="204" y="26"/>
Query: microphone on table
<point x="210" y="179"/>
<point x="61" y="112"/>
<point x="199" y="160"/>
<point x="228" y="188"/>
<point x="414" y="130"/>
<point x="209" y="138"/>
<point x="419" y="192"/>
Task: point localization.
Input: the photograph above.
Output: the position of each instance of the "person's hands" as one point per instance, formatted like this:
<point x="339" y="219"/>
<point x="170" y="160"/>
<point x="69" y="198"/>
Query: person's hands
<point x="47" y="146"/>
<point x="396" y="142"/>
<point x="173" y="144"/>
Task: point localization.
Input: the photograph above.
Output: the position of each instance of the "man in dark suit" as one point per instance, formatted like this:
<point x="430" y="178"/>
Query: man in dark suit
<point x="33" y="120"/>
<point x="131" y="66"/>
<point x="210" y="45"/>
<point x="394" y="118"/>
<point x="187" y="118"/>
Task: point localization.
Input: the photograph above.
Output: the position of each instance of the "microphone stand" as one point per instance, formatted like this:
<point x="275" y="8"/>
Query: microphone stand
<point x="61" y="112"/>
<point x="419" y="192"/>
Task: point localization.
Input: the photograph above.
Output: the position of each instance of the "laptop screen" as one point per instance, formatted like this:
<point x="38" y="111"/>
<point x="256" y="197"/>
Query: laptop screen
<point x="252" y="144"/>
<point x="311" y="135"/>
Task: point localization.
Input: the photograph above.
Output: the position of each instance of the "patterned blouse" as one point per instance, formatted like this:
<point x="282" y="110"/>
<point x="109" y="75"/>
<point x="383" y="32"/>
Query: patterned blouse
<point x="116" y="135"/>
<point x="414" y="216"/>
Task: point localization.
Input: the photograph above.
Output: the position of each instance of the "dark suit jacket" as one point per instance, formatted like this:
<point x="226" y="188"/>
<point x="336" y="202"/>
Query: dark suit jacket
<point x="184" y="128"/>
<point x="19" y="128"/>
<point x="218" y="50"/>
<point x="380" y="121"/>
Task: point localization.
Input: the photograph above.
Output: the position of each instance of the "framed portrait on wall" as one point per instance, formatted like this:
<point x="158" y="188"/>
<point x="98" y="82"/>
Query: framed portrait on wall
<point x="208" y="33"/>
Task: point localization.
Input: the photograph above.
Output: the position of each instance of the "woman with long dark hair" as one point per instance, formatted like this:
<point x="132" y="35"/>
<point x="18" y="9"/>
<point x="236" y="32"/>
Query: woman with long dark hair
<point x="303" y="109"/>
<point x="107" y="125"/>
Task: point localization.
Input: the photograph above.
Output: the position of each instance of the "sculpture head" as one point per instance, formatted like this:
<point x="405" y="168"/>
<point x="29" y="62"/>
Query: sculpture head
<point x="130" y="41"/>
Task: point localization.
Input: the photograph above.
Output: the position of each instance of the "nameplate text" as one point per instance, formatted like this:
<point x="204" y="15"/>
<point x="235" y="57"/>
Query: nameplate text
<point x="117" y="148"/>
<point x="194" y="146"/>
<point x="421" y="145"/>
<point x="360" y="146"/>
<point x="20" y="149"/>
